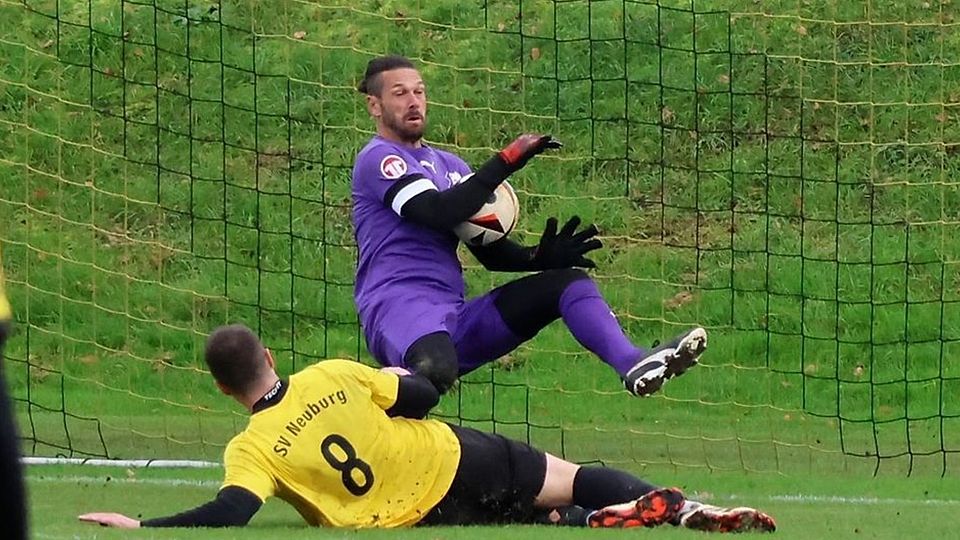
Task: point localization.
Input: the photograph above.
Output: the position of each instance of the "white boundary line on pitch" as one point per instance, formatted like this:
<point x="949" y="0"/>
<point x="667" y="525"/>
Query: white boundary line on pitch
<point x="794" y="498"/>
<point x="817" y="499"/>
<point x="53" y="479"/>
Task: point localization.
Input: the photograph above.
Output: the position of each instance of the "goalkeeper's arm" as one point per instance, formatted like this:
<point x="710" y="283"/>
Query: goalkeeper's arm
<point x="563" y="249"/>
<point x="440" y="210"/>
<point x="505" y="255"/>
<point x="423" y="204"/>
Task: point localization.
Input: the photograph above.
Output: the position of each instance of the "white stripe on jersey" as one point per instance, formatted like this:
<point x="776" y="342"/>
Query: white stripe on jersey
<point x="410" y="191"/>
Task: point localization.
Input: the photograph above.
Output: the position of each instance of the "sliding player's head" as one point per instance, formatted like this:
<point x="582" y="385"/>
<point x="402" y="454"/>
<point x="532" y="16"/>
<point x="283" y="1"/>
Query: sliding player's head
<point x="237" y="360"/>
<point x="396" y="98"/>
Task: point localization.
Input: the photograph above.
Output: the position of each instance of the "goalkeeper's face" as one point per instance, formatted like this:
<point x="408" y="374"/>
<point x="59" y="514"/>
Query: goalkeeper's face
<point x="401" y="107"/>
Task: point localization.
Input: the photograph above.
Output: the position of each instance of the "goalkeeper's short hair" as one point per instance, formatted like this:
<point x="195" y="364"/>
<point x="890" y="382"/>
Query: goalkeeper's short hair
<point x="371" y="83"/>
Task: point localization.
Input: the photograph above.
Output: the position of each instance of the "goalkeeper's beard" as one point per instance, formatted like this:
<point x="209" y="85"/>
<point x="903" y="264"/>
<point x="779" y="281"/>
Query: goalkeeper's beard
<point x="406" y="133"/>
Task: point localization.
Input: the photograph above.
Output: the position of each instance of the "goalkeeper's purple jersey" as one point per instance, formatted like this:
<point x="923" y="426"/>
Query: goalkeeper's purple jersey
<point x="402" y="263"/>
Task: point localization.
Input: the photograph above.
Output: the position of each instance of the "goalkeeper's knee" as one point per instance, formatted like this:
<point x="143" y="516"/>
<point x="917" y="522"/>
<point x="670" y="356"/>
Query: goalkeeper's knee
<point x="434" y="357"/>
<point x="441" y="372"/>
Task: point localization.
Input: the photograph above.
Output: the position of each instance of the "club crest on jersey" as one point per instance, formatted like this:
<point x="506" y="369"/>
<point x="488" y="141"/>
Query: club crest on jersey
<point x="393" y="167"/>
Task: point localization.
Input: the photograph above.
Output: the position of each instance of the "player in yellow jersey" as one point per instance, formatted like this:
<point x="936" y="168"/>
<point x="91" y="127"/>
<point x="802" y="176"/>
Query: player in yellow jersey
<point x="13" y="513"/>
<point x="347" y="446"/>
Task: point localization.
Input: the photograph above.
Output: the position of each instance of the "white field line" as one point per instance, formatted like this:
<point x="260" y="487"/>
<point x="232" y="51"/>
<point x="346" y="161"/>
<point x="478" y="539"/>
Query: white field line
<point x="57" y="479"/>
<point x="837" y="499"/>
<point x="793" y="498"/>
<point x="134" y="463"/>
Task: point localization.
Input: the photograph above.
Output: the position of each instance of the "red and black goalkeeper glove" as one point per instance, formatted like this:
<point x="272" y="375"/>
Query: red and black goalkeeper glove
<point x="524" y="147"/>
<point x="513" y="157"/>
<point x="567" y="248"/>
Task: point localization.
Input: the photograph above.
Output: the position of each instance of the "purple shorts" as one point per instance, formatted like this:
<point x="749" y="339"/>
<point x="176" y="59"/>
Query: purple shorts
<point x="478" y="332"/>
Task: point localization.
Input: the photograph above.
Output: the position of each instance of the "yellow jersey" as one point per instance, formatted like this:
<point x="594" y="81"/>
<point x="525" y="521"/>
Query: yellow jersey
<point x="326" y="446"/>
<point x="5" y="313"/>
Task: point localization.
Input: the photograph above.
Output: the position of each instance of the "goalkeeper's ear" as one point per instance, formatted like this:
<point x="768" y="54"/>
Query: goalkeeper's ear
<point x="373" y="106"/>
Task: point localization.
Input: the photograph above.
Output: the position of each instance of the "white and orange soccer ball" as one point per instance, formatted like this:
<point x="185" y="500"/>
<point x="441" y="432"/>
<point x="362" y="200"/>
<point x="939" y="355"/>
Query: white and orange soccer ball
<point x="495" y="219"/>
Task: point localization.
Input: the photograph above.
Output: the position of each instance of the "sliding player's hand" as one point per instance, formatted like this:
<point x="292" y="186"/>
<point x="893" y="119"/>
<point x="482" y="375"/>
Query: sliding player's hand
<point x="110" y="519"/>
<point x="524" y="147"/>
<point x="567" y="248"/>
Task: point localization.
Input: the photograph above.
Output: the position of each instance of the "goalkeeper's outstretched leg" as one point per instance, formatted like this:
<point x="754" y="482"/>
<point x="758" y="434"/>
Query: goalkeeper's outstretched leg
<point x="531" y="303"/>
<point x="666" y="362"/>
<point x="496" y="323"/>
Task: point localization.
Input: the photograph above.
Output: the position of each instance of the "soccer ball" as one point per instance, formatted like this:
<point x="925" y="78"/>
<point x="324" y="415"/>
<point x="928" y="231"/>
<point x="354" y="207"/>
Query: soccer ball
<point x="495" y="219"/>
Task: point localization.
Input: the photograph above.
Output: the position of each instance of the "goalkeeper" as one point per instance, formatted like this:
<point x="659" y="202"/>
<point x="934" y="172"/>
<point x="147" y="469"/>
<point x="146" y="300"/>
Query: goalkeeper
<point x="346" y="445"/>
<point x="12" y="496"/>
<point x="410" y="291"/>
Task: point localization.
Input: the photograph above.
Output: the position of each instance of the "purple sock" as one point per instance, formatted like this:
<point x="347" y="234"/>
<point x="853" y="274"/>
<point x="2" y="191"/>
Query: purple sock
<point x="593" y="324"/>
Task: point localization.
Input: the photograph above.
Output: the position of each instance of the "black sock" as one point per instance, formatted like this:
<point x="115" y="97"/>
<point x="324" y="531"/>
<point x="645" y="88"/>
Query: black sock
<point x="565" y="516"/>
<point x="596" y="487"/>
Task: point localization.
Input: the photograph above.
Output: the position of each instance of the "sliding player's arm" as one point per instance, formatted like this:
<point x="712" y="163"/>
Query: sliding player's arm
<point x="233" y="507"/>
<point x="245" y="487"/>
<point x="416" y="395"/>
<point x="395" y="390"/>
<point x="563" y="249"/>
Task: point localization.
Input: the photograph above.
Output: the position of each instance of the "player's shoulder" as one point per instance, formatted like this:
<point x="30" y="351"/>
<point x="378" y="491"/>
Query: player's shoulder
<point x="379" y="148"/>
<point x="242" y="444"/>
<point x="333" y="367"/>
<point x="446" y="154"/>
<point x="453" y="161"/>
<point x="384" y="159"/>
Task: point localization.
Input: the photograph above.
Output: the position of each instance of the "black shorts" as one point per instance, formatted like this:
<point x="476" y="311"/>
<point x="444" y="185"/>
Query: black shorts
<point x="497" y="481"/>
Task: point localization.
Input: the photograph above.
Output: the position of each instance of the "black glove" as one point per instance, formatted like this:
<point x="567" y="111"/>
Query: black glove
<point x="524" y="147"/>
<point x="566" y="249"/>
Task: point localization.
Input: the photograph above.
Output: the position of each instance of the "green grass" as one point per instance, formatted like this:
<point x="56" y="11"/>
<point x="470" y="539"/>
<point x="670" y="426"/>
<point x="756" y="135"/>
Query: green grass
<point x="788" y="182"/>
<point x="804" y="507"/>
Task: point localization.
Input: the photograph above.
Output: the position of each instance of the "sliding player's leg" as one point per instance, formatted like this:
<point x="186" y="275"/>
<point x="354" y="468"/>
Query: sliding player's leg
<point x="570" y="492"/>
<point x="692" y="515"/>
<point x="500" y="480"/>
<point x="494" y="324"/>
<point x="496" y="482"/>
<point x="706" y="517"/>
